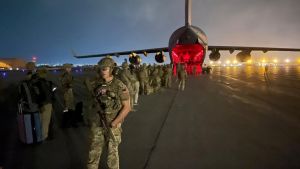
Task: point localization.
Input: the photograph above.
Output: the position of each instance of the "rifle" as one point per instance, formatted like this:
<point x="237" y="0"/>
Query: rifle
<point x="107" y="130"/>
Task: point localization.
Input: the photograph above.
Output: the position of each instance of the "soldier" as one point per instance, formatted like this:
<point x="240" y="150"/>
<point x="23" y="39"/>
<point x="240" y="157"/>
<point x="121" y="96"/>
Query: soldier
<point x="168" y="76"/>
<point x="46" y="93"/>
<point x="155" y="79"/>
<point x="67" y="88"/>
<point x="136" y="83"/>
<point x="182" y="76"/>
<point x="114" y="105"/>
<point x="129" y="81"/>
<point x="143" y="78"/>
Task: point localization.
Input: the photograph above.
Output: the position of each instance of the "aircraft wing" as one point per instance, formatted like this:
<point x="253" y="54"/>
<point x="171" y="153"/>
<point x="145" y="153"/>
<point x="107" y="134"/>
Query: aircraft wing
<point x="231" y="49"/>
<point x="143" y="51"/>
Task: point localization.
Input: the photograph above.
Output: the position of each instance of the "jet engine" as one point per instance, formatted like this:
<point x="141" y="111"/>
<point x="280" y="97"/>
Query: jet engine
<point x="135" y="59"/>
<point x="243" y="56"/>
<point x="160" y="57"/>
<point x="214" y="55"/>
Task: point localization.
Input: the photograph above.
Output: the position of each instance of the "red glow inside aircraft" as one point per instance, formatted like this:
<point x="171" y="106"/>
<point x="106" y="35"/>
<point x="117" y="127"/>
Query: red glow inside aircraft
<point x="191" y="56"/>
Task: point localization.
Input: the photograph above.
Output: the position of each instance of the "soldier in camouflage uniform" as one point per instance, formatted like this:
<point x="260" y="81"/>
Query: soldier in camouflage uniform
<point x="67" y="87"/>
<point x="155" y="79"/>
<point x="127" y="78"/>
<point x="114" y="105"/>
<point x="143" y="78"/>
<point x="168" y="76"/>
<point x="182" y="76"/>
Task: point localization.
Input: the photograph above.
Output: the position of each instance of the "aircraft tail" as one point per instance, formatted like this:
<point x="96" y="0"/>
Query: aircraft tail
<point x="188" y="12"/>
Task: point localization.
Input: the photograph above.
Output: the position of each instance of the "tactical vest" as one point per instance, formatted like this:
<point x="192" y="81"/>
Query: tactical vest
<point x="108" y="97"/>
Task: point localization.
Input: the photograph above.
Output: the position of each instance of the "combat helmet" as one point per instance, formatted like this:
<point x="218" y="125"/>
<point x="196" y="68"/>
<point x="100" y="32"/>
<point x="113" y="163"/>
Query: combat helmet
<point x="42" y="72"/>
<point x="107" y="62"/>
<point x="30" y="66"/>
<point x="125" y="65"/>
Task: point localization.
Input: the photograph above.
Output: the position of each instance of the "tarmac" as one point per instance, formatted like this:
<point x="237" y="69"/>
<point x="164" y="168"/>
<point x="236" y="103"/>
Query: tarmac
<point x="235" y="117"/>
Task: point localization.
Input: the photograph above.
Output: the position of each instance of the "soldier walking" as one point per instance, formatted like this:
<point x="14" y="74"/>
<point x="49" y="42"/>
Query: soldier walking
<point x="182" y="76"/>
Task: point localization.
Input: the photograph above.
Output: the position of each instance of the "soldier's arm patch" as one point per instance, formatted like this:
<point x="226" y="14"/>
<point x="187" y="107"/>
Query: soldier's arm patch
<point x="124" y="93"/>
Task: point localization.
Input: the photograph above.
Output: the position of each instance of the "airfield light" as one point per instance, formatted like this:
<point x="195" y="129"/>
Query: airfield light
<point x="287" y="60"/>
<point x="4" y="74"/>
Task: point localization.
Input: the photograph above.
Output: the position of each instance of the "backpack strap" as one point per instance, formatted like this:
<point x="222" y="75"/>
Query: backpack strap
<point x="28" y="95"/>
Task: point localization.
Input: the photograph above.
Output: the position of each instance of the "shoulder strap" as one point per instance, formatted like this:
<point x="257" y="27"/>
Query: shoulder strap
<point x="29" y="99"/>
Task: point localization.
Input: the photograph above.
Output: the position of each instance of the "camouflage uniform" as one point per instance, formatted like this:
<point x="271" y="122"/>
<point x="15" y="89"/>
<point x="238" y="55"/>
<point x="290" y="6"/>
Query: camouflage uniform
<point x="110" y="96"/>
<point x="168" y="76"/>
<point x="127" y="78"/>
<point x="143" y="78"/>
<point x="155" y="79"/>
<point x="182" y="76"/>
<point x="67" y="85"/>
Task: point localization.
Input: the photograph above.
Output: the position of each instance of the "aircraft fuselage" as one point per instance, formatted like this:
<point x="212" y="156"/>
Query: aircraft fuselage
<point x="188" y="46"/>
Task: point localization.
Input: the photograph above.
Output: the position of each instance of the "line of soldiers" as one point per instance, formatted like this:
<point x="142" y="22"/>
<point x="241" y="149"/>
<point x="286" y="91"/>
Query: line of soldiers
<point x="113" y="93"/>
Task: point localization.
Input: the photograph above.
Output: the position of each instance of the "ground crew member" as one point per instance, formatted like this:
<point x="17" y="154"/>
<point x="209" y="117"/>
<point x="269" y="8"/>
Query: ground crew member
<point x="113" y="98"/>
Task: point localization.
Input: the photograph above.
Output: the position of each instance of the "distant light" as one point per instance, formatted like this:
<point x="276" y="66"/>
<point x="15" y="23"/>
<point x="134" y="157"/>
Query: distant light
<point x="249" y="61"/>
<point x="10" y="68"/>
<point x="287" y="60"/>
<point x="4" y="74"/>
<point x="227" y="61"/>
<point x="17" y="68"/>
<point x="275" y="60"/>
<point x="54" y="89"/>
<point x="219" y="62"/>
<point x="211" y="62"/>
<point x="263" y="61"/>
<point x="235" y="61"/>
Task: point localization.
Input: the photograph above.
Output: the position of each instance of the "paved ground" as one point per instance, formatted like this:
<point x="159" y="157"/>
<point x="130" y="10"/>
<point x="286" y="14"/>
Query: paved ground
<point x="233" y="118"/>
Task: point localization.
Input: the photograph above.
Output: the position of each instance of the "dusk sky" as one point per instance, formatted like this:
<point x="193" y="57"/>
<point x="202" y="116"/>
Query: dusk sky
<point x="50" y="29"/>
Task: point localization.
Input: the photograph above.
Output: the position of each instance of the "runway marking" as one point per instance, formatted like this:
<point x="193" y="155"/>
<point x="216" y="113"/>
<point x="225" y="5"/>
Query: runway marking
<point x="159" y="132"/>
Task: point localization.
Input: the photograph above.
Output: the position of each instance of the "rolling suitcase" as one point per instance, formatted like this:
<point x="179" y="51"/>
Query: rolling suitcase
<point x="29" y="121"/>
<point x="30" y="128"/>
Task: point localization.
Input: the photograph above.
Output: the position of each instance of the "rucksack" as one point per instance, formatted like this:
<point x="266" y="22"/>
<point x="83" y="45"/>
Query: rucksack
<point x="28" y="97"/>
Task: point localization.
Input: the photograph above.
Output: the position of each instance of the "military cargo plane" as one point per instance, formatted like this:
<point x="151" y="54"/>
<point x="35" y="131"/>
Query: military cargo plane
<point x="188" y="46"/>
